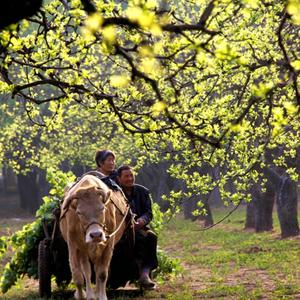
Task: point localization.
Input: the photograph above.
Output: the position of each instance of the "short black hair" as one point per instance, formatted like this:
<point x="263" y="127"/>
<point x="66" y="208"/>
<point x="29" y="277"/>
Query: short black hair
<point x="123" y="168"/>
<point x="101" y="156"/>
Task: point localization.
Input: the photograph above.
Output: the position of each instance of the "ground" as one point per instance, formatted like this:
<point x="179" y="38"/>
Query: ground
<point x="224" y="262"/>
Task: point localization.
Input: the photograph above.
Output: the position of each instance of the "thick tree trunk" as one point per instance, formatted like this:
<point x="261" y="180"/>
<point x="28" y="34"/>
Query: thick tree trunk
<point x="208" y="218"/>
<point x="9" y="180"/>
<point x="259" y="210"/>
<point x="269" y="200"/>
<point x="78" y="169"/>
<point x="29" y="191"/>
<point x="188" y="207"/>
<point x="287" y="208"/>
<point x="215" y="198"/>
<point x="250" y="216"/>
<point x="42" y="184"/>
<point x="263" y="212"/>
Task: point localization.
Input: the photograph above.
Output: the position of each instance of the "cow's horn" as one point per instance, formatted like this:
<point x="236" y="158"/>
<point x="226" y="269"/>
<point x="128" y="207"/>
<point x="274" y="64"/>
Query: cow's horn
<point x="107" y="196"/>
<point x="69" y="200"/>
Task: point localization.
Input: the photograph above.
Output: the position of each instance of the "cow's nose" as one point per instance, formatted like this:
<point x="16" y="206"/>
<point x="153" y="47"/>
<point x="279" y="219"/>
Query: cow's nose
<point x="96" y="234"/>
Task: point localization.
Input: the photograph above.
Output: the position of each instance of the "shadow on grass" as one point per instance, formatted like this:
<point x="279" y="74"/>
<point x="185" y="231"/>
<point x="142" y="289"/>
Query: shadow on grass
<point x="111" y="294"/>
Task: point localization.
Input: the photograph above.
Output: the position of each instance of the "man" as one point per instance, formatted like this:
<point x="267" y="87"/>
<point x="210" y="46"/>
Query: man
<point x="145" y="240"/>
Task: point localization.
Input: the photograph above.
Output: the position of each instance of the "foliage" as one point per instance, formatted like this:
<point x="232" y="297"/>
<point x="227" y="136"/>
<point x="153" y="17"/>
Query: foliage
<point x="24" y="242"/>
<point x="3" y="246"/>
<point x="204" y="84"/>
<point x="158" y="218"/>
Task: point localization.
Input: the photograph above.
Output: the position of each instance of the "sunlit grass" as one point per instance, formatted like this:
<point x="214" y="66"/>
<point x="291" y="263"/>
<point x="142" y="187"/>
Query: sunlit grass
<point x="241" y="264"/>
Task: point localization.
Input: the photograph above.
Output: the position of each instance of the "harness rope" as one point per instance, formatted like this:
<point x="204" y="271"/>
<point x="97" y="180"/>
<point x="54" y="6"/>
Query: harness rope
<point x="121" y="223"/>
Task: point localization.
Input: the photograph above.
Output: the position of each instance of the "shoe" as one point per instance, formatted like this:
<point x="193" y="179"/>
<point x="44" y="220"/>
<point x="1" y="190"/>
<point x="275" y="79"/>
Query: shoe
<point x="146" y="283"/>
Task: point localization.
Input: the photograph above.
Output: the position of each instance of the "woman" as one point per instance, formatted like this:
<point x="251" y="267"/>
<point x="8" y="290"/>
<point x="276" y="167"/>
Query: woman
<point x="106" y="163"/>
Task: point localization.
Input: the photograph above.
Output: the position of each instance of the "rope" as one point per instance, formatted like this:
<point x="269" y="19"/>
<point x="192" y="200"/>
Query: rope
<point x="119" y="227"/>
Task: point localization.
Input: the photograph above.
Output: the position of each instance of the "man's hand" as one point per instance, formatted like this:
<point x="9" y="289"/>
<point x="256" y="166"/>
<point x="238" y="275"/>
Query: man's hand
<point x="139" y="224"/>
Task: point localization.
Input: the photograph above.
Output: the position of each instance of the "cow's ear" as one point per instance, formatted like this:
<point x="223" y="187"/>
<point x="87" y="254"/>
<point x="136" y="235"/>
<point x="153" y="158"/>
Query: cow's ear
<point x="74" y="203"/>
<point x="107" y="196"/>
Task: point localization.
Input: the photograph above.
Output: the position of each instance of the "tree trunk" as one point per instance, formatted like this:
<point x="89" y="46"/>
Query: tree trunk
<point x="262" y="207"/>
<point x="29" y="192"/>
<point x="208" y="218"/>
<point x="78" y="169"/>
<point x="42" y="184"/>
<point x="287" y="208"/>
<point x="188" y="207"/>
<point x="269" y="199"/>
<point x="250" y="216"/>
<point x="9" y="180"/>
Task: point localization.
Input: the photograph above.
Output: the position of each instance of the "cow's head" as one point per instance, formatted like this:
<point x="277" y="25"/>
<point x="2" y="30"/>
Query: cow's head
<point x="89" y="205"/>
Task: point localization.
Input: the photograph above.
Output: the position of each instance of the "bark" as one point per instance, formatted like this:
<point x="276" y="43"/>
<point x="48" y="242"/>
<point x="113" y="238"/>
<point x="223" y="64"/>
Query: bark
<point x="215" y="198"/>
<point x="29" y="191"/>
<point x="188" y="207"/>
<point x="287" y="208"/>
<point x="78" y="169"/>
<point x="250" y="216"/>
<point x="42" y="184"/>
<point x="158" y="181"/>
<point x="9" y="180"/>
<point x="259" y="210"/>
<point x="286" y="197"/>
<point x="208" y="218"/>
<point x="284" y="190"/>
<point x="269" y="200"/>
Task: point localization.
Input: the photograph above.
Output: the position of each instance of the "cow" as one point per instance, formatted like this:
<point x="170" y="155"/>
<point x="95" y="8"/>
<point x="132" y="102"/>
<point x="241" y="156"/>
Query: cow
<point x="93" y="219"/>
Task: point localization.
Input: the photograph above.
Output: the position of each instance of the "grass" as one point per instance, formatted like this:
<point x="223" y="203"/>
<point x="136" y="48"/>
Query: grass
<point x="231" y="263"/>
<point x="224" y="262"/>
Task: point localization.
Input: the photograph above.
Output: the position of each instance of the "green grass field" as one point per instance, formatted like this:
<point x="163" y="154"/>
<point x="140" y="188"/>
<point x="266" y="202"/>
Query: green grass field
<point x="224" y="262"/>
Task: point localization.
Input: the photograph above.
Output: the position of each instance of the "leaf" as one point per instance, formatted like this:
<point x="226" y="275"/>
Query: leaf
<point x="109" y="34"/>
<point x="293" y="9"/>
<point x="262" y="89"/>
<point x="296" y="64"/>
<point x="120" y="81"/>
<point x="94" y="22"/>
<point x="159" y="107"/>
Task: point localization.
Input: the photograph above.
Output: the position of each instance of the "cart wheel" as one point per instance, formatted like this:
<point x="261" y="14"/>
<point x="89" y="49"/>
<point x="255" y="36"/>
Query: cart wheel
<point x="44" y="268"/>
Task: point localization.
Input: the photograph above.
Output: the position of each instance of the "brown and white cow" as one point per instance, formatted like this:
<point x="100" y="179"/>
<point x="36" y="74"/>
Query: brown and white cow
<point x="91" y="223"/>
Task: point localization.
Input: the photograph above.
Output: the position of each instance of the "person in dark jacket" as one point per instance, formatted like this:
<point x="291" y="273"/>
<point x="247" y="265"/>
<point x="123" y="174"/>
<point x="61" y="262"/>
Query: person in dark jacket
<point x="145" y="240"/>
<point x="106" y="162"/>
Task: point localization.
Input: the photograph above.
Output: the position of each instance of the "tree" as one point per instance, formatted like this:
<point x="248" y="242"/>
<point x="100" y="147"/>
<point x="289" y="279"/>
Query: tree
<point x="200" y="82"/>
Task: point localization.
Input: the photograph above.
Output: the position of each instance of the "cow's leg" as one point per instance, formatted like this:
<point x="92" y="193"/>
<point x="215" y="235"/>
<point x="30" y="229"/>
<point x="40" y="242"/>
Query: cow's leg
<point x="101" y="269"/>
<point x="77" y="276"/>
<point x="86" y="267"/>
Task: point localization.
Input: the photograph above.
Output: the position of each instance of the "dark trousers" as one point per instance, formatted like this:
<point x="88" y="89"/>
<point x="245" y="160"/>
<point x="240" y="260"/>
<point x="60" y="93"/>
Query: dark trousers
<point x="133" y="252"/>
<point x="145" y="249"/>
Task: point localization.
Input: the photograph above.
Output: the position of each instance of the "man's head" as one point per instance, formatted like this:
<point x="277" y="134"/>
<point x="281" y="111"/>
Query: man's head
<point x="106" y="161"/>
<point x="126" y="176"/>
